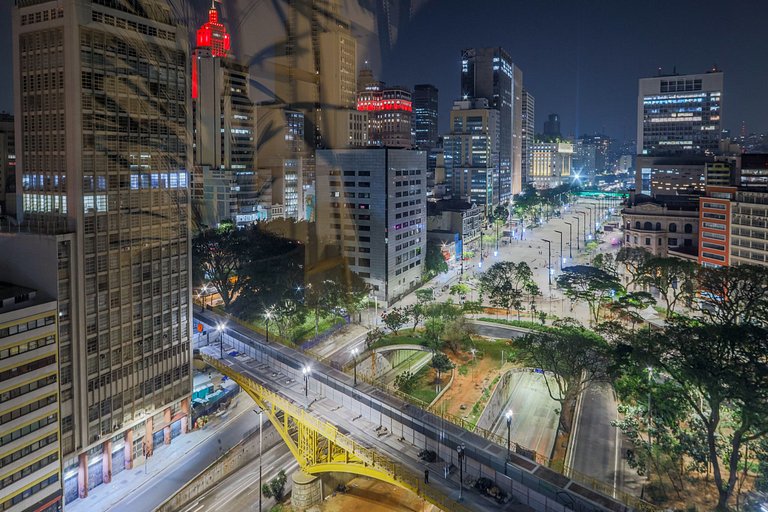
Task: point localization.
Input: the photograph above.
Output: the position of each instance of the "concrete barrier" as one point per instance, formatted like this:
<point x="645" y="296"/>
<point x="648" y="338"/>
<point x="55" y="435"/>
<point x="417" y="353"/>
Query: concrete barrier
<point x="235" y="458"/>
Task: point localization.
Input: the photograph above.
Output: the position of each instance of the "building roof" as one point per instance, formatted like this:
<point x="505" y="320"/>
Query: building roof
<point x="448" y="205"/>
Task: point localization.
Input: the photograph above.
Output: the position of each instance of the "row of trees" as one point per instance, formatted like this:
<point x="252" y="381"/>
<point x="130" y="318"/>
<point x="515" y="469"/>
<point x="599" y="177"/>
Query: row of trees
<point x="695" y="392"/>
<point x="509" y="286"/>
<point x="533" y="203"/>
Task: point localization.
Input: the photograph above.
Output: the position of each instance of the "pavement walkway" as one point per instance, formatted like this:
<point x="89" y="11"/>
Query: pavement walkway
<point x="162" y="471"/>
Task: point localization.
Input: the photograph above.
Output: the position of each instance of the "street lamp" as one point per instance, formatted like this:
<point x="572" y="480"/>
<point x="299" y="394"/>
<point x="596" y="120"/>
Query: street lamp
<point x="561" y="248"/>
<point x="549" y="264"/>
<point x="584" y="226"/>
<point x="306" y="371"/>
<point x="354" y="359"/>
<point x="460" y="452"/>
<point x="570" y="239"/>
<point x="268" y="316"/>
<point x="650" y="379"/>
<point x="578" y="226"/>
<point x="496" y="252"/>
<point x="591" y="219"/>
<point x="220" y="329"/>
<point x="509" y="436"/>
<point x="260" y="460"/>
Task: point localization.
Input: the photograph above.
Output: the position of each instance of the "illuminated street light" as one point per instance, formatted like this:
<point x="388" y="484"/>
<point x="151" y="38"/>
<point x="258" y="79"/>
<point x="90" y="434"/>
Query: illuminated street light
<point x="307" y="370"/>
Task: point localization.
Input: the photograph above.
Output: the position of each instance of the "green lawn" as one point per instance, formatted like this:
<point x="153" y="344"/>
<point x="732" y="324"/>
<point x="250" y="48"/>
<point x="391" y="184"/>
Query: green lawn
<point x="424" y="389"/>
<point x="406" y="337"/>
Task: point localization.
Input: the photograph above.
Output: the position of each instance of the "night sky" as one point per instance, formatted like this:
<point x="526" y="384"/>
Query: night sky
<point x="579" y="59"/>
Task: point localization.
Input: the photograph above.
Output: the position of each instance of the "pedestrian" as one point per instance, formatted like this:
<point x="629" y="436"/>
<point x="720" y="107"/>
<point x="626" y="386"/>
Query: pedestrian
<point x="426" y="476"/>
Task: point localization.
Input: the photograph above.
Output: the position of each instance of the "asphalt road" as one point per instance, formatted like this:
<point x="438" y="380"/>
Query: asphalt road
<point x="166" y="483"/>
<point x="597" y="449"/>
<point x="240" y="491"/>
<point x="534" y="413"/>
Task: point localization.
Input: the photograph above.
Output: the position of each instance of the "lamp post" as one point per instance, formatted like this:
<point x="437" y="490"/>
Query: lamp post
<point x="584" y="226"/>
<point x="220" y="329"/>
<point x="268" y="316"/>
<point x="480" y="265"/>
<point x="570" y="239"/>
<point x="549" y="264"/>
<point x="460" y="453"/>
<point x="260" y="461"/>
<point x="509" y="436"/>
<point x="590" y="209"/>
<point x="561" y="248"/>
<point x="578" y="226"/>
<point x="496" y="252"/>
<point x="354" y="361"/>
<point x="650" y="379"/>
<point x="306" y="371"/>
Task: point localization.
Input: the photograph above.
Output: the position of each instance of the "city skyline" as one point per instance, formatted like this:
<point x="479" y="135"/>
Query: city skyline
<point x="610" y="42"/>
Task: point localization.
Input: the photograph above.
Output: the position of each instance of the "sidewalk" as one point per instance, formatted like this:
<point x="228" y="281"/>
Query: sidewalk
<point x="165" y="461"/>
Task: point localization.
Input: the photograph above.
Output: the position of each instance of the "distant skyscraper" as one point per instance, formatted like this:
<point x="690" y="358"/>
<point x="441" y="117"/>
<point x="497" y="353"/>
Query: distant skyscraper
<point x="552" y="127"/>
<point x="489" y="73"/>
<point x="472" y="153"/>
<point x="316" y="72"/>
<point x="425" y="116"/>
<point x="105" y="169"/>
<point x="679" y="114"/>
<point x="551" y="164"/>
<point x="528" y="135"/>
<point x="223" y="178"/>
<point x="390" y="112"/>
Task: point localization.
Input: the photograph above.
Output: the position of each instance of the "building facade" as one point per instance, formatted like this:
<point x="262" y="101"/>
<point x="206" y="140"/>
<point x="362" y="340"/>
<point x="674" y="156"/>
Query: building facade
<point x="7" y="165"/>
<point x="715" y="226"/>
<point x="668" y="175"/>
<point x="104" y="170"/>
<point x="528" y="135"/>
<point x="680" y="114"/>
<point x="471" y="154"/>
<point x="490" y="73"/>
<point x="662" y="226"/>
<point x="30" y="437"/>
<point x="371" y="204"/>
<point x="749" y="227"/>
<point x="551" y="164"/>
<point x="753" y="171"/>
<point x="425" y="115"/>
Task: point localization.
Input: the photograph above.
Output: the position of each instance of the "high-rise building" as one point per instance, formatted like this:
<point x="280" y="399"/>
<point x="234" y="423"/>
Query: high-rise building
<point x="30" y="453"/>
<point x="552" y="127"/>
<point x="223" y="180"/>
<point x="592" y="156"/>
<point x="316" y="72"/>
<point x="528" y="135"/>
<point x="489" y="73"/>
<point x="551" y="164"/>
<point x="7" y="165"/>
<point x="104" y="170"/>
<point x="390" y="112"/>
<point x="371" y="203"/>
<point x="471" y="152"/>
<point x="715" y="226"/>
<point x="680" y="114"/>
<point x="425" y="109"/>
<point x="749" y="214"/>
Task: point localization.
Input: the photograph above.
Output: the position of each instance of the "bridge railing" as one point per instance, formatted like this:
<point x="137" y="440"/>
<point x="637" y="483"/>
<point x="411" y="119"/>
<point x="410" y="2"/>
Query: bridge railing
<point x="396" y="471"/>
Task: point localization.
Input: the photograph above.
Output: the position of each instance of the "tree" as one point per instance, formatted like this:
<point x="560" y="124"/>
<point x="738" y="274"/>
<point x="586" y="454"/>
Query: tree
<point x="457" y="331"/>
<point x="287" y="314"/>
<point x="731" y="295"/>
<point x="633" y="259"/>
<point x="572" y="358"/>
<point x="504" y="283"/>
<point x="395" y="318"/>
<point x="674" y="278"/>
<point x="373" y="336"/>
<point x="629" y="305"/>
<point x="460" y="289"/>
<point x="218" y="256"/>
<point x="415" y="312"/>
<point x="405" y="381"/>
<point x="276" y="487"/>
<point x="590" y="284"/>
<point x="434" y="262"/>
<point x="720" y="370"/>
<point x="441" y="364"/>
<point x="501" y="213"/>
